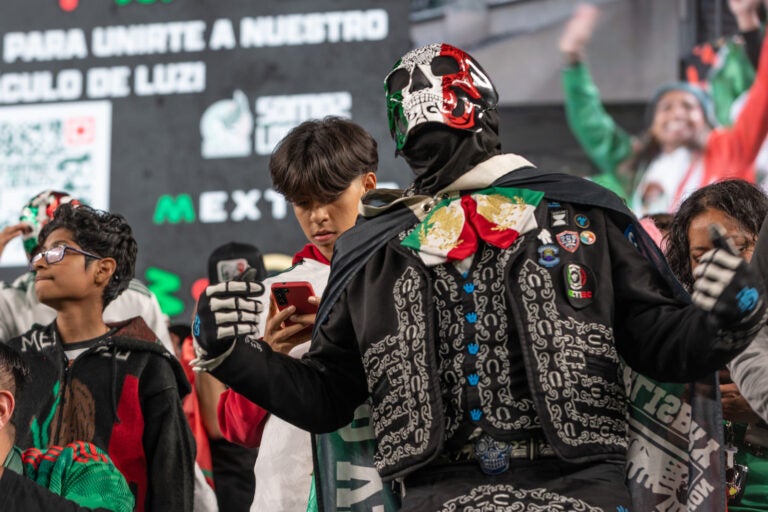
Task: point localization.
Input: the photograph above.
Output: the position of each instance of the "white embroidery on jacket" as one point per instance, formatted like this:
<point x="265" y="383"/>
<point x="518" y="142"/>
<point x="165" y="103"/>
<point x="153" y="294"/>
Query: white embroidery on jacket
<point x="501" y="408"/>
<point x="506" y="498"/>
<point x="571" y="356"/>
<point x="397" y="364"/>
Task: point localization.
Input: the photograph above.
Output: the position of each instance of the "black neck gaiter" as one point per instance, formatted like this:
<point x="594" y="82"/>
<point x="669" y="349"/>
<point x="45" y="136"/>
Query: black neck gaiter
<point x="439" y="154"/>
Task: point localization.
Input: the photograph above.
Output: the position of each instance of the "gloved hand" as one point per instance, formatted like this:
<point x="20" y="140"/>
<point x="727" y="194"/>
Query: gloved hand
<point x="225" y="311"/>
<point x="726" y="286"/>
<point x="759" y="261"/>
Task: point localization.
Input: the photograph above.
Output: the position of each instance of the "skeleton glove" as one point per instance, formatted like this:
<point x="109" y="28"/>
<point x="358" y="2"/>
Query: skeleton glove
<point x="225" y="312"/>
<point x="727" y="287"/>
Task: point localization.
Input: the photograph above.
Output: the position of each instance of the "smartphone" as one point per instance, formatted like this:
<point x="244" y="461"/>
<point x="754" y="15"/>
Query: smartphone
<point x="294" y="293"/>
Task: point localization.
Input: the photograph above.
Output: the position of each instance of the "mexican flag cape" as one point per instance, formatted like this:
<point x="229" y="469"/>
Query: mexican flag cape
<point x="451" y="230"/>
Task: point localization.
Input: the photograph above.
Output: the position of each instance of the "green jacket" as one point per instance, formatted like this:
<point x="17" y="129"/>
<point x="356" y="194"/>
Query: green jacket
<point x="605" y="142"/>
<point x="79" y="472"/>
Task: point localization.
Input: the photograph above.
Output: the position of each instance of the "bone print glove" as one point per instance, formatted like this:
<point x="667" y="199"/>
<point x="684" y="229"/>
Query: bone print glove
<point x="727" y="287"/>
<point x="225" y="312"/>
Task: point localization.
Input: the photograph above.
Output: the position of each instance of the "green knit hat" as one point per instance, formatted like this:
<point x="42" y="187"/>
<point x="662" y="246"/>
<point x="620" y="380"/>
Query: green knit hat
<point x="700" y="94"/>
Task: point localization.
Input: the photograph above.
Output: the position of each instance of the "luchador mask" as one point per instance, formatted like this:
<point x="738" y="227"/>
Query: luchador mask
<point x="38" y="212"/>
<point x="436" y="84"/>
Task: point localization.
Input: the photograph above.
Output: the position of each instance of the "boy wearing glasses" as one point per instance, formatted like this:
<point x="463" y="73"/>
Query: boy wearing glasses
<point x="19" y="307"/>
<point x="100" y="383"/>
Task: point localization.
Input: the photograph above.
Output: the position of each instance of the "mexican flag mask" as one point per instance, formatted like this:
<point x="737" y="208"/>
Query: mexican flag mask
<point x="451" y="230"/>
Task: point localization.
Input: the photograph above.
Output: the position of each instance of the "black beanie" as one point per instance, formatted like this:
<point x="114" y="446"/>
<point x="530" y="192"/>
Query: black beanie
<point x="231" y="259"/>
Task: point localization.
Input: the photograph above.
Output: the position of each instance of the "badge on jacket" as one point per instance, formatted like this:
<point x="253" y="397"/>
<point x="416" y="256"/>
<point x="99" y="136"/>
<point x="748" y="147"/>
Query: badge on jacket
<point x="581" y="220"/>
<point x="587" y="237"/>
<point x="568" y="240"/>
<point x="579" y="285"/>
<point x="548" y="255"/>
<point x="558" y="218"/>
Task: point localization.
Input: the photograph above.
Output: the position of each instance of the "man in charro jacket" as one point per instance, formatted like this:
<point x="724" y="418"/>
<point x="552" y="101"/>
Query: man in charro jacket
<point x="486" y="312"/>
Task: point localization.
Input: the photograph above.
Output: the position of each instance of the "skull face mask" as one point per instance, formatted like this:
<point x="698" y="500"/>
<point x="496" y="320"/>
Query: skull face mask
<point x="436" y="84"/>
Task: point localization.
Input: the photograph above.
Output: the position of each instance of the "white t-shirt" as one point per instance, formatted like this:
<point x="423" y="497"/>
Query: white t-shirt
<point x="283" y="469"/>
<point x="669" y="179"/>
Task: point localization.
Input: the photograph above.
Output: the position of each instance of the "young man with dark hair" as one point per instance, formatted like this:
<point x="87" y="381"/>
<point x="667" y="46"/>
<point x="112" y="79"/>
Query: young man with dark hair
<point x="103" y="383"/>
<point x="323" y="167"/>
<point x="320" y="159"/>
<point x="74" y="478"/>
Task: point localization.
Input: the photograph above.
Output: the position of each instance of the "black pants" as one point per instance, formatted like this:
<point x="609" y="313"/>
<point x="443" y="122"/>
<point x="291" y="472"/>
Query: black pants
<point x="539" y="485"/>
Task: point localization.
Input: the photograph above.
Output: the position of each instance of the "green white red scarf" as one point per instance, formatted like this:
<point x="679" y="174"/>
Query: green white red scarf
<point x="451" y="230"/>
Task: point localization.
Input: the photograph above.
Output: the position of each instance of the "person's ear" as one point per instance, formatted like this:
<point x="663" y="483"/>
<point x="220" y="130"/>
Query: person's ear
<point x="369" y="181"/>
<point x="7" y="404"/>
<point x="105" y="267"/>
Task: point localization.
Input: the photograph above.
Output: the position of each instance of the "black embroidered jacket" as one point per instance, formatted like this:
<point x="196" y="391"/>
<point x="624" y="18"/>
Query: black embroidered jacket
<point x="574" y="297"/>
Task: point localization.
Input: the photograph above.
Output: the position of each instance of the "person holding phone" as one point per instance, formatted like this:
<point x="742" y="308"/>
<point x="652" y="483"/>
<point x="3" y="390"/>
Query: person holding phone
<point x="296" y="294"/>
<point x="323" y="167"/>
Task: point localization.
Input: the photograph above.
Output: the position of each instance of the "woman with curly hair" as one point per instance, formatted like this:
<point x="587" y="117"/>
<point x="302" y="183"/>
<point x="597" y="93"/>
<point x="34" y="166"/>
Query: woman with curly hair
<point x="741" y="209"/>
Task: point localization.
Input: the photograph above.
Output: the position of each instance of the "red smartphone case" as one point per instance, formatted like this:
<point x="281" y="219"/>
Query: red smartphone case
<point x="294" y="293"/>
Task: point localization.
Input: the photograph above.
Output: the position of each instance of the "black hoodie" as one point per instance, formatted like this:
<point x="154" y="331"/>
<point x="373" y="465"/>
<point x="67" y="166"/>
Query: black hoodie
<point x="124" y="395"/>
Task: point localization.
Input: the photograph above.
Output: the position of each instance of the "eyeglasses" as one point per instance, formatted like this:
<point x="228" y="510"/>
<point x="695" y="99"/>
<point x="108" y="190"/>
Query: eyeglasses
<point x="56" y="254"/>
